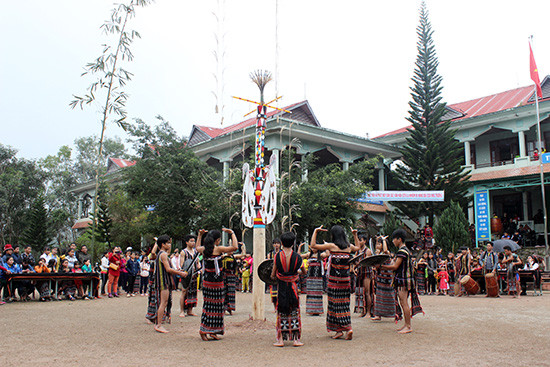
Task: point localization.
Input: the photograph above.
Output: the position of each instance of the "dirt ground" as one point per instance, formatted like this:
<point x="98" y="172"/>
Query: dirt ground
<point x="473" y="331"/>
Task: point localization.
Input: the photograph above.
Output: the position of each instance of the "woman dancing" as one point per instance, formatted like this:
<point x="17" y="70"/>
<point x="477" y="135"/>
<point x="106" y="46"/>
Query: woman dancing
<point x="271" y="256"/>
<point x="363" y="277"/>
<point x="338" y="314"/>
<point x="213" y="288"/>
<point x="385" y="301"/>
<point x="188" y="298"/>
<point x="229" y="262"/>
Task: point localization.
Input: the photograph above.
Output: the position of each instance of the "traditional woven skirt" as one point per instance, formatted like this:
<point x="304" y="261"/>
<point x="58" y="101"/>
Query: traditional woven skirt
<point x="213" y="307"/>
<point x="273" y="293"/>
<point x="289" y="326"/>
<point x="359" y="299"/>
<point x="68" y="288"/>
<point x="191" y="295"/>
<point x="43" y="288"/>
<point x="338" y="313"/>
<point x="385" y="299"/>
<point x="230" y="281"/>
<point x="420" y="281"/>
<point x="153" y="299"/>
<point x="512" y="281"/>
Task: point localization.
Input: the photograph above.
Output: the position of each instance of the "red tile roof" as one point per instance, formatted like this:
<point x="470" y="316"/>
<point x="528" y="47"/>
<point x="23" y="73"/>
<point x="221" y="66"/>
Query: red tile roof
<point x="82" y="223"/>
<point x="485" y="105"/>
<point x="511" y="172"/>
<point x="368" y="207"/>
<point x="214" y="132"/>
<point x="122" y="163"/>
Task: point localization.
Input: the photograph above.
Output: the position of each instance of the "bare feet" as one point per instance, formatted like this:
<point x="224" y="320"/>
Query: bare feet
<point x="182" y="314"/>
<point x="338" y="335"/>
<point x="405" y="330"/>
<point x="349" y="335"/>
<point x="279" y="343"/>
<point x="203" y="337"/>
<point x="376" y="318"/>
<point x="213" y="337"/>
<point x="190" y="314"/>
<point x="160" y="329"/>
<point x="149" y="321"/>
<point x="298" y="343"/>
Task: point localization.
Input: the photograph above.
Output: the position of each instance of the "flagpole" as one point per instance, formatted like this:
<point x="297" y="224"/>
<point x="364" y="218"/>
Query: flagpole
<point x="542" y="179"/>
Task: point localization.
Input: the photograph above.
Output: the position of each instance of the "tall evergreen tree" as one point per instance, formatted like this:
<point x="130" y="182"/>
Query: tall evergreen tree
<point x="432" y="158"/>
<point x="104" y="223"/>
<point x="451" y="229"/>
<point x="37" y="233"/>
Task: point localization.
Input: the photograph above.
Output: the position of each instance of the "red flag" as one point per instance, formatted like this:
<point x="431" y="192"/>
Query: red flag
<point x="534" y="71"/>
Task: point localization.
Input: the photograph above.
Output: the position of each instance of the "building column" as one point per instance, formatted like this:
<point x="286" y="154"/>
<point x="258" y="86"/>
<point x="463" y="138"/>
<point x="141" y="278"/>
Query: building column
<point x="467" y="153"/>
<point x="345" y="166"/>
<point x="225" y="170"/>
<point x="525" y="197"/>
<point x="522" y="150"/>
<point x="381" y="179"/>
<point x="80" y="208"/>
<point x="276" y="168"/>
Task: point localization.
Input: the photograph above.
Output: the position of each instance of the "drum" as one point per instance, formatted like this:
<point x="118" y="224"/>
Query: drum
<point x="469" y="284"/>
<point x="496" y="226"/>
<point x="491" y="283"/>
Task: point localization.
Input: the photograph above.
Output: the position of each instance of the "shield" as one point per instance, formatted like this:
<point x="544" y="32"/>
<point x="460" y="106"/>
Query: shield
<point x="498" y="245"/>
<point x="264" y="272"/>
<point x="374" y="260"/>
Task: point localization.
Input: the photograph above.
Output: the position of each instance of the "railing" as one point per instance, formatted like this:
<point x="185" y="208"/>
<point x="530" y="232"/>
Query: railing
<point x="494" y="164"/>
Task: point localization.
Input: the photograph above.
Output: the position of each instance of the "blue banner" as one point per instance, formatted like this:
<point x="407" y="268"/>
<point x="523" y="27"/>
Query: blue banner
<point x="545" y="157"/>
<point x="483" y="221"/>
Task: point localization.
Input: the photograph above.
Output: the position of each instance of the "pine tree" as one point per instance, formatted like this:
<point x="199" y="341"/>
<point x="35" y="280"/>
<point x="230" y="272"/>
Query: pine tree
<point x="37" y="233"/>
<point x="391" y="223"/>
<point x="432" y="158"/>
<point x="104" y="223"/>
<point x="451" y="229"/>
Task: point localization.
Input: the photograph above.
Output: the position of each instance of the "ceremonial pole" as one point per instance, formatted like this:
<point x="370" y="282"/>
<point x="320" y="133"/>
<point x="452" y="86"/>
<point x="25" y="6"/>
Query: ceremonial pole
<point x="538" y="93"/>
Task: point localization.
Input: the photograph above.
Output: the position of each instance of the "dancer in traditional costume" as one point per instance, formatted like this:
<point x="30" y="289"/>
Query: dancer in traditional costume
<point x="271" y="255"/>
<point x="363" y="277"/>
<point x="213" y="288"/>
<point x="286" y="265"/>
<point x="338" y="289"/>
<point x="385" y="298"/>
<point x="314" y="286"/>
<point x="464" y="267"/>
<point x="164" y="281"/>
<point x="404" y="280"/>
<point x="513" y="263"/>
<point x="229" y="264"/>
<point x="450" y="267"/>
<point x="188" y="298"/>
<point x="152" y="300"/>
<point x="421" y="265"/>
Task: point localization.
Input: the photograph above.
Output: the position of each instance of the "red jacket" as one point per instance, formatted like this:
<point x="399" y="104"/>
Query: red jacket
<point x="114" y="259"/>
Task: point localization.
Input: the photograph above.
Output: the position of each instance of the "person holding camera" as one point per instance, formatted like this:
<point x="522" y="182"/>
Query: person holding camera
<point x="114" y="272"/>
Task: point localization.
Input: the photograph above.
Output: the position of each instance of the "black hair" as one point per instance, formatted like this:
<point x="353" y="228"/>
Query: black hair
<point x="162" y="240"/>
<point x="209" y="244"/>
<point x="47" y="248"/>
<point x="288" y="239"/>
<point x="399" y="233"/>
<point x="507" y="248"/>
<point x="9" y="257"/>
<point x="215" y="234"/>
<point x="188" y="238"/>
<point x="27" y="246"/>
<point x="363" y="236"/>
<point x="339" y="237"/>
<point x="276" y="240"/>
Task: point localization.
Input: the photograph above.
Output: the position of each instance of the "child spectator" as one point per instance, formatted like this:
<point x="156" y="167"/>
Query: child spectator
<point x="144" y="275"/>
<point x="67" y="286"/>
<point x="43" y="286"/>
<point x="443" y="280"/>
<point x="104" y="268"/>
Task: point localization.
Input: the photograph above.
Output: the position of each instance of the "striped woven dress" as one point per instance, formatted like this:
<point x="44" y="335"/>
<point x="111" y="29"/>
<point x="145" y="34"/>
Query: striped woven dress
<point x="338" y="313"/>
<point x="314" y="298"/>
<point x="230" y="282"/>
<point x="213" y="290"/>
<point x="385" y="301"/>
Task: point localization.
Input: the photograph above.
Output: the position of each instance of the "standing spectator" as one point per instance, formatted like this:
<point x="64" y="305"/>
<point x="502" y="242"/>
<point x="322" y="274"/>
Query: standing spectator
<point x="83" y="255"/>
<point x="72" y="246"/>
<point x="513" y="263"/>
<point x="55" y="257"/>
<point x="123" y="281"/>
<point x="27" y="255"/>
<point x="431" y="269"/>
<point x="115" y="263"/>
<point x="104" y="268"/>
<point x="71" y="257"/>
<point x="175" y="263"/>
<point x="132" y="267"/>
<point x="16" y="255"/>
<point x="144" y="275"/>
<point x="47" y="255"/>
<point x="8" y="252"/>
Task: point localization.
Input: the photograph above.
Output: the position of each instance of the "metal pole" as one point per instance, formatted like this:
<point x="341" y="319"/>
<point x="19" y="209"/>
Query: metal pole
<point x="542" y="180"/>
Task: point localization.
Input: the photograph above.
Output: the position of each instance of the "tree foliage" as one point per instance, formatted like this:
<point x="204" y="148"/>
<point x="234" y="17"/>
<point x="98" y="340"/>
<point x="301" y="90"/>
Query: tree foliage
<point x="38" y="233"/>
<point x="431" y="157"/>
<point x="451" y="232"/>
<point x="21" y="181"/>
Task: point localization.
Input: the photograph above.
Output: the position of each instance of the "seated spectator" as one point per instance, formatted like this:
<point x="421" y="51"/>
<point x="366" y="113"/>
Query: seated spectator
<point x="8" y="252"/>
<point x="67" y="286"/>
<point x="26" y="288"/>
<point x="55" y="256"/>
<point x="4" y="289"/>
<point x="16" y="254"/>
<point x="43" y="286"/>
<point x="71" y="257"/>
<point x="83" y="255"/>
<point x="79" y="284"/>
<point x="13" y="268"/>
<point x="52" y="265"/>
<point x="47" y="255"/>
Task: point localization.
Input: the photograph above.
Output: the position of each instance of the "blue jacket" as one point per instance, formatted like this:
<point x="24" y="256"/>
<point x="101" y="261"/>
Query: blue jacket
<point x="133" y="267"/>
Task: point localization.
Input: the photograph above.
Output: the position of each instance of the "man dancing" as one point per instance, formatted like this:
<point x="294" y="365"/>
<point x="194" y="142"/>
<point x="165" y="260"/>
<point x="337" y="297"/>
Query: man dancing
<point x="286" y="265"/>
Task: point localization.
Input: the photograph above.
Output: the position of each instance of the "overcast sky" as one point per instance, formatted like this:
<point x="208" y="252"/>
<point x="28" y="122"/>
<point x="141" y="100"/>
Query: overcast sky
<point x="353" y="60"/>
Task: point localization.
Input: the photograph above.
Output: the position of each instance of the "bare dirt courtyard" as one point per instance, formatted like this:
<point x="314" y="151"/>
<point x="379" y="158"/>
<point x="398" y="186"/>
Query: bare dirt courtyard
<point x="473" y="331"/>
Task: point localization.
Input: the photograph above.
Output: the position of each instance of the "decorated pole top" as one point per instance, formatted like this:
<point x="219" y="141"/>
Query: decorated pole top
<point x="259" y="203"/>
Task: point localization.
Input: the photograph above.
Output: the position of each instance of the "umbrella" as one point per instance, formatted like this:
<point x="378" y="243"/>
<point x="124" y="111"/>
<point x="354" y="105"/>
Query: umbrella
<point x="498" y="245"/>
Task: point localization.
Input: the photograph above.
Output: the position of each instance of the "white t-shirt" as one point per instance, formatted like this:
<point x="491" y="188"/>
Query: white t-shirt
<point x="144" y="269"/>
<point x="175" y="262"/>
